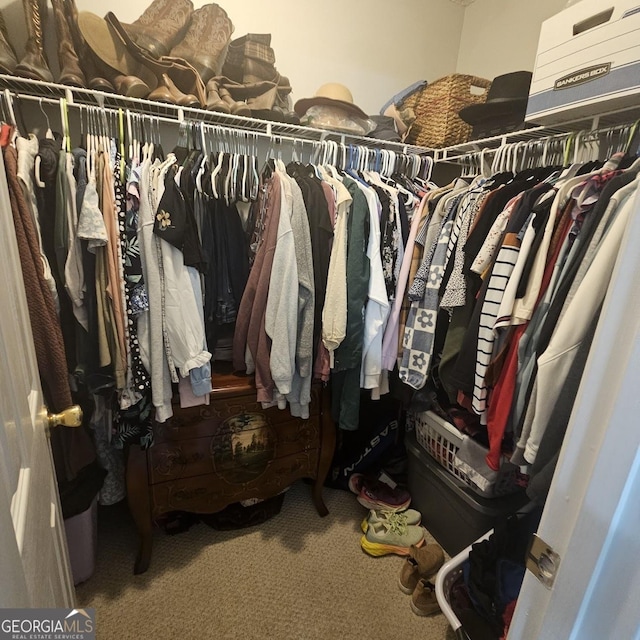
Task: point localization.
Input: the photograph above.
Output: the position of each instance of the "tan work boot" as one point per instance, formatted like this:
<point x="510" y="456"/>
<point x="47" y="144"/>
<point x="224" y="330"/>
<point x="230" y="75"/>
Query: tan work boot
<point x="206" y="42"/>
<point x="70" y="71"/>
<point x="423" y="599"/>
<point x="162" y="25"/>
<point x="429" y="558"/>
<point x="34" y="63"/>
<point x="8" y="58"/>
<point x="423" y="562"/>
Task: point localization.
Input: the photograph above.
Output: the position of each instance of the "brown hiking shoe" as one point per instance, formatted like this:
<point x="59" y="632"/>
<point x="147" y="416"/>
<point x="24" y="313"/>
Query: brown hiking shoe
<point x="429" y="559"/>
<point x="423" y="562"/>
<point x="409" y="576"/>
<point x="423" y="599"/>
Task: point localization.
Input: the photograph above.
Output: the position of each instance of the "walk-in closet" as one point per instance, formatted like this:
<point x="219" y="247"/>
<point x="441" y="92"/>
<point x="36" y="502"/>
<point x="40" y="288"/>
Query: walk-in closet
<point x="319" y="321"/>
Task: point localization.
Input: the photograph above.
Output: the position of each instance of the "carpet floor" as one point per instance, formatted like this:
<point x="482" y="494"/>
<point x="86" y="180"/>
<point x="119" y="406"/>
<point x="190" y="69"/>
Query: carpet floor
<point x="295" y="577"/>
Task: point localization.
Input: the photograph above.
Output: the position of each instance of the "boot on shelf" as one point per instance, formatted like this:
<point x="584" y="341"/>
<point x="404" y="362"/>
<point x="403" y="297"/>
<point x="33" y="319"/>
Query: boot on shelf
<point x="8" y="58"/>
<point x="236" y="108"/>
<point x="70" y="71"/>
<point x="34" y="63"/>
<point x="162" y="25"/>
<point x="214" y="101"/>
<point x="95" y="80"/>
<point x="166" y="91"/>
<point x="206" y="41"/>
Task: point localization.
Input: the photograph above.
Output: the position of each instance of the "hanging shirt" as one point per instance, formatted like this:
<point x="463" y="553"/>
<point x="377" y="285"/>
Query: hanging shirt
<point x="334" y="311"/>
<point x="421" y="322"/>
<point x="377" y="308"/>
<point x="150" y="331"/>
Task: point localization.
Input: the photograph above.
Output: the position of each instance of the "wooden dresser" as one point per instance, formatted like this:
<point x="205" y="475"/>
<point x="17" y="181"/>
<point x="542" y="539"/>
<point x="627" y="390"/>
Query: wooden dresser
<point x="207" y="457"/>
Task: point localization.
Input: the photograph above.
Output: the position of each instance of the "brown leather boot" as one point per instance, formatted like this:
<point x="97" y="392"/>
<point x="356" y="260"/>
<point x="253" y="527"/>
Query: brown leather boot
<point x="236" y="108"/>
<point x="87" y="61"/>
<point x="34" y="63"/>
<point x="161" y="26"/>
<point x="206" y="42"/>
<point x="214" y="101"/>
<point x="166" y="91"/>
<point x="70" y="71"/>
<point x="8" y="58"/>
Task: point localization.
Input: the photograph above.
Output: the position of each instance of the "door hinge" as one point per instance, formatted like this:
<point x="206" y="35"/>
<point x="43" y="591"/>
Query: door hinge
<point x="542" y="561"/>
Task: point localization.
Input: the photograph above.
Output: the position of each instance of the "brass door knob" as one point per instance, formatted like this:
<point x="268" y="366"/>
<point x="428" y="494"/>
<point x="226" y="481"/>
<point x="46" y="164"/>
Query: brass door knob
<point x="70" y="417"/>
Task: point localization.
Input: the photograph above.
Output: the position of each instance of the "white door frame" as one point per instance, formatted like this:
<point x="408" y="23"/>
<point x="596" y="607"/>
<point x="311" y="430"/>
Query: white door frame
<point x="592" y="518"/>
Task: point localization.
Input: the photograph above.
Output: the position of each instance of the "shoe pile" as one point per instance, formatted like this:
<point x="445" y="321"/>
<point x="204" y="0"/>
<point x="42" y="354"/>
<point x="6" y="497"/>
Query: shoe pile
<point x="391" y="527"/>
<point x="172" y="53"/>
<point x="417" y="571"/>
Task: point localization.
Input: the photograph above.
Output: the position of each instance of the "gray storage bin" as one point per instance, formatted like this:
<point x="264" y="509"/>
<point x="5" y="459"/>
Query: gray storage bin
<point x="82" y="540"/>
<point x="453" y="514"/>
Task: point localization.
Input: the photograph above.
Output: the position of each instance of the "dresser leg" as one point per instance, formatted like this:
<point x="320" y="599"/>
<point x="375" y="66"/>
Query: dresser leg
<point x="318" y="501"/>
<point x="327" y="448"/>
<point x="140" y="505"/>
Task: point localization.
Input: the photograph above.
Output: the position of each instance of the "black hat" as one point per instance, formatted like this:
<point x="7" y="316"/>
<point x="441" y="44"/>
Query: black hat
<point x="171" y="216"/>
<point x="507" y="96"/>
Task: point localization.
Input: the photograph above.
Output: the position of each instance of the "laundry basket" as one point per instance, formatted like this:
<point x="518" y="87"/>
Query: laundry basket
<point x="442" y="441"/>
<point x="446" y="578"/>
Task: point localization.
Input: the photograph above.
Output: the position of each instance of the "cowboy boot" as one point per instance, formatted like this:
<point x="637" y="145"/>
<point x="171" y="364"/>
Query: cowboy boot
<point x="214" y="101"/>
<point x="89" y="67"/>
<point x="70" y="71"/>
<point x="8" y="58"/>
<point x="161" y="26"/>
<point x="206" y="42"/>
<point x="34" y="63"/>
<point x="166" y="91"/>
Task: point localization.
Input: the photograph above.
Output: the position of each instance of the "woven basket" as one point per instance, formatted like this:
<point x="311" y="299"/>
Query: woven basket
<point x="436" y="108"/>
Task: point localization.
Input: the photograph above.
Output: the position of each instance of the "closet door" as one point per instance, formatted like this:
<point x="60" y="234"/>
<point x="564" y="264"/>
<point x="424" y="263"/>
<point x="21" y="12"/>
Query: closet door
<point x="34" y="565"/>
<point x="592" y="518"/>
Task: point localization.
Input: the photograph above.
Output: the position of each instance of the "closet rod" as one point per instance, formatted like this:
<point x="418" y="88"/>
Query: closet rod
<point x="578" y="136"/>
<point x="23" y="87"/>
<point x="216" y="129"/>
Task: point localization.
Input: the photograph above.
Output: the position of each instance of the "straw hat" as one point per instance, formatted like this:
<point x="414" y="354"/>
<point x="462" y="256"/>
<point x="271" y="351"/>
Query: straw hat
<point x="331" y="94"/>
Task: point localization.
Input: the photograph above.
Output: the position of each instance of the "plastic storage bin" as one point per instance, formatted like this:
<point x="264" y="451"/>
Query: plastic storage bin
<point x="82" y="540"/>
<point x="451" y="512"/>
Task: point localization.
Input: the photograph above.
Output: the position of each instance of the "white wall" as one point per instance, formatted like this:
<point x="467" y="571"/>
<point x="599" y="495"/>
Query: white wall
<point x="375" y="47"/>
<point x="499" y="36"/>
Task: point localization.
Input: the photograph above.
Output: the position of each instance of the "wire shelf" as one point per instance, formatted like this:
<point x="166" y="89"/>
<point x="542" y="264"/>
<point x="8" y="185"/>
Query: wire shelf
<point x="74" y="95"/>
<point x="601" y="122"/>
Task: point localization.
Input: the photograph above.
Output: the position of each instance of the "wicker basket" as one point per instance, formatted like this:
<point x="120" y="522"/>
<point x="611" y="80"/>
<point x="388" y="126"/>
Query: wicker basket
<point x="436" y="109"/>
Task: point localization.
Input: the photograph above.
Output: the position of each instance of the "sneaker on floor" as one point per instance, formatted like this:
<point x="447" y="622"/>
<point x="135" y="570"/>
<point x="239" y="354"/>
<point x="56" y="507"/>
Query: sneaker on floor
<point x="423" y="562"/>
<point x="381" y="497"/>
<point x="423" y="599"/>
<point x="387" y="537"/>
<point x="356" y="482"/>
<point x="409" y="516"/>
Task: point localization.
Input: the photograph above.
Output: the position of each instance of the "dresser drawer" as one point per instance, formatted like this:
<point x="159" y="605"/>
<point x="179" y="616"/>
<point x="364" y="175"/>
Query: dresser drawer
<point x="248" y="444"/>
<point x="195" y="422"/>
<point x="210" y="493"/>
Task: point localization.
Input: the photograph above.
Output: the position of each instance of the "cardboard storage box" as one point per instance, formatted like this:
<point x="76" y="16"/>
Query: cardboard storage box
<point x="453" y="514"/>
<point x="588" y="62"/>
